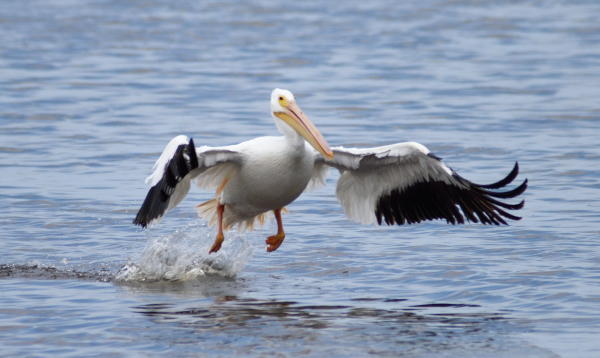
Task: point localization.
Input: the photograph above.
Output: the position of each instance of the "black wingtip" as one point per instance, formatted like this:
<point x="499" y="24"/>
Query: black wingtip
<point x="156" y="203"/>
<point x="140" y="222"/>
<point x="505" y="181"/>
<point x="506" y="194"/>
<point x="456" y="203"/>
<point x="191" y="150"/>
<point x="431" y="155"/>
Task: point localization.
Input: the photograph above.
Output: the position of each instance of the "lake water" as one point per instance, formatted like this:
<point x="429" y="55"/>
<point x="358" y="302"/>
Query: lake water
<point x="91" y="91"/>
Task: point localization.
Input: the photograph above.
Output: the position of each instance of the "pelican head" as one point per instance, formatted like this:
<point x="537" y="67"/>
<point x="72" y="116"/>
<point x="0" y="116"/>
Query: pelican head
<point x="284" y="107"/>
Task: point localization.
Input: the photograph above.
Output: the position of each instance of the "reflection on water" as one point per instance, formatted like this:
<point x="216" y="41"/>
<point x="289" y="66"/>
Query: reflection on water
<point x="229" y="307"/>
<point x="290" y="326"/>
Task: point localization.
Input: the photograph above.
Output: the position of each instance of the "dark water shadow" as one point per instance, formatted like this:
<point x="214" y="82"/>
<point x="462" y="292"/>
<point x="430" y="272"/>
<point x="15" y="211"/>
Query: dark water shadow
<point x="229" y="307"/>
<point x="202" y="286"/>
<point x="43" y="272"/>
<point x="355" y="329"/>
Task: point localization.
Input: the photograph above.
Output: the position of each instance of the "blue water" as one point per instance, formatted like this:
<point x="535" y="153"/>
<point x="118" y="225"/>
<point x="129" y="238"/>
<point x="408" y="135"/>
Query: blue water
<point x="91" y="91"/>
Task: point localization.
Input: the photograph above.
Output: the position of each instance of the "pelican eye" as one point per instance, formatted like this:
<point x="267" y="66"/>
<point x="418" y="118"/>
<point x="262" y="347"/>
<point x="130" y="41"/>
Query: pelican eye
<point x="283" y="101"/>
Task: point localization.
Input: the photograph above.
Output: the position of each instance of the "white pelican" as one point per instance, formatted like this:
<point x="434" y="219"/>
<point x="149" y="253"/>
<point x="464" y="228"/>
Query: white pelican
<point x="401" y="183"/>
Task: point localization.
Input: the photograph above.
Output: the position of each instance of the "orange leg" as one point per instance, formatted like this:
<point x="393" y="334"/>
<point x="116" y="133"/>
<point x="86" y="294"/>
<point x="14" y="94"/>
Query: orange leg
<point x="275" y="241"/>
<point x="220" y="237"/>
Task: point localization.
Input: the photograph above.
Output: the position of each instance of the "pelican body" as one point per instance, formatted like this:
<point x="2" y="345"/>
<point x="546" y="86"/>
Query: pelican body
<point x="251" y="192"/>
<point x="402" y="183"/>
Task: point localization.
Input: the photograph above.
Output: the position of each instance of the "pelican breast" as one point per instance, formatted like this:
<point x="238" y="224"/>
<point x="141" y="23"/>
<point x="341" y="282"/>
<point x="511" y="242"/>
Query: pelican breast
<point x="273" y="174"/>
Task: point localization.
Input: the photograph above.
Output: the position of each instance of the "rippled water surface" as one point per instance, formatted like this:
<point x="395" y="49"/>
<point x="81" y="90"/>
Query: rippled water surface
<point x="91" y="91"/>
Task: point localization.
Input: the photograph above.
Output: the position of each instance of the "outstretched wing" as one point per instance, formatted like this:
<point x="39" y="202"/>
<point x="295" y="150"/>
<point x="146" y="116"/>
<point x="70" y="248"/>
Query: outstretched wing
<point x="405" y="183"/>
<point x="179" y="163"/>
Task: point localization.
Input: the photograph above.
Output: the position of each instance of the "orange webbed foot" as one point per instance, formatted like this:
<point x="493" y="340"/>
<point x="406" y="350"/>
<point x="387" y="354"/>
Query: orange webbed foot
<point x="273" y="242"/>
<point x="217" y="244"/>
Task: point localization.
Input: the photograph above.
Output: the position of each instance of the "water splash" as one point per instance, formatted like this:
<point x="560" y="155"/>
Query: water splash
<point x="183" y="255"/>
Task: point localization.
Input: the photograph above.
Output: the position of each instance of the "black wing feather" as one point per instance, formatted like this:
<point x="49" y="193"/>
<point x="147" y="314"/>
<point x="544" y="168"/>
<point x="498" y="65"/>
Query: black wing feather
<point x="429" y="200"/>
<point x="503" y="182"/>
<point x="157" y="200"/>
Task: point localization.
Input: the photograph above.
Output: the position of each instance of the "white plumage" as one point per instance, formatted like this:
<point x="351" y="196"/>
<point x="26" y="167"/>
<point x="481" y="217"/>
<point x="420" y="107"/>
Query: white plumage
<point x="401" y="183"/>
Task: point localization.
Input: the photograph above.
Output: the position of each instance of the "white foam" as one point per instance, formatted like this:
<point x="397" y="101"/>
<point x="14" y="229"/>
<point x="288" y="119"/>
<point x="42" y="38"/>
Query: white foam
<point x="183" y="255"/>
